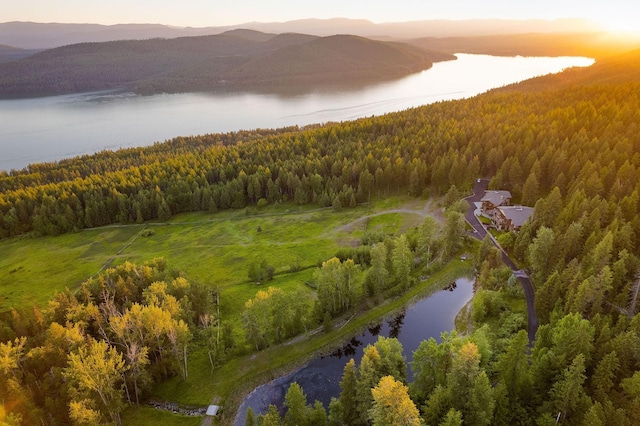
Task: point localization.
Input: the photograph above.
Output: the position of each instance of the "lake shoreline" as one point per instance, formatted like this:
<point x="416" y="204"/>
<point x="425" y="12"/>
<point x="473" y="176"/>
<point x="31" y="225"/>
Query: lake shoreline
<point x="50" y="129"/>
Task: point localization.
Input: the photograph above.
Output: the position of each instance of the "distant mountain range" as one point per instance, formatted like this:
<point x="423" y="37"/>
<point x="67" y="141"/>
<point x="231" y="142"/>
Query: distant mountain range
<point x="238" y="59"/>
<point x="50" y="59"/>
<point x="29" y="35"/>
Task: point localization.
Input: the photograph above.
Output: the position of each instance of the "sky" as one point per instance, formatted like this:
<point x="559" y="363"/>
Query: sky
<point x="619" y="15"/>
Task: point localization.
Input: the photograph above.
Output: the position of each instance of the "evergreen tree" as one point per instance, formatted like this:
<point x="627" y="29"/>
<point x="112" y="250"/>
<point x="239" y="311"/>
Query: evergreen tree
<point x="453" y="418"/>
<point x="513" y="369"/>
<point x="471" y="389"/>
<point x="318" y="416"/>
<point x="369" y="376"/>
<point x="250" y="418"/>
<point x="402" y="259"/>
<point x="540" y="254"/>
<point x="568" y="397"/>
<point x="349" y="395"/>
<point x="453" y="232"/>
<point x="296" y="403"/>
<point x="271" y="417"/>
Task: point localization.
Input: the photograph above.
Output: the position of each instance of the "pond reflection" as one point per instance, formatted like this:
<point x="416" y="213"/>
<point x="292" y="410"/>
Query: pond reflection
<point x="320" y="378"/>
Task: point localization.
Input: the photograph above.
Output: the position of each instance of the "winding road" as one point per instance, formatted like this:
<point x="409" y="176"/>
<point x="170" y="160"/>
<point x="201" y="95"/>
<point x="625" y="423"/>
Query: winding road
<point x="480" y="232"/>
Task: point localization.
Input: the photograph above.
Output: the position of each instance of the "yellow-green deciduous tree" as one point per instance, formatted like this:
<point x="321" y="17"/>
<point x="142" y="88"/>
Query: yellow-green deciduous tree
<point x="392" y="405"/>
<point x="95" y="375"/>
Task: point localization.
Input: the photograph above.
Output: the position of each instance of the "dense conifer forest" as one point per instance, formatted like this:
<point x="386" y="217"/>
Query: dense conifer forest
<point x="568" y="145"/>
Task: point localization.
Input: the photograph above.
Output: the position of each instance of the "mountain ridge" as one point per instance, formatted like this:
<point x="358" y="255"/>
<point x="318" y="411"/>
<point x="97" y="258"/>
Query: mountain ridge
<point x="33" y="35"/>
<point x="235" y="59"/>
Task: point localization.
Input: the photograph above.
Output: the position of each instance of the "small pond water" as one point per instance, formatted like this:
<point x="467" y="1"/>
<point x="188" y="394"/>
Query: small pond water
<point x="320" y="378"/>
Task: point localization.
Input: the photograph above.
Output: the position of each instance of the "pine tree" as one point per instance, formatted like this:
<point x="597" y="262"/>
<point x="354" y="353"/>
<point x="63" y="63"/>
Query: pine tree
<point x="568" y="397"/>
<point x="296" y="403"/>
<point x="250" y="419"/>
<point x="402" y="259"/>
<point x="318" y="416"/>
<point x="471" y="389"/>
<point x="271" y="417"/>
<point x="349" y="395"/>
<point x="453" y="418"/>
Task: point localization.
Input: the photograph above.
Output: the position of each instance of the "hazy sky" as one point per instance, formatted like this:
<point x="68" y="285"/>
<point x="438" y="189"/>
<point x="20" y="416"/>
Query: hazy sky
<point x="616" y="14"/>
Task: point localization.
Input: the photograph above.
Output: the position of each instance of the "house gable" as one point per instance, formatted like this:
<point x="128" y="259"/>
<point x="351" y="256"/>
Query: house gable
<point x="493" y="199"/>
<point x="512" y="218"/>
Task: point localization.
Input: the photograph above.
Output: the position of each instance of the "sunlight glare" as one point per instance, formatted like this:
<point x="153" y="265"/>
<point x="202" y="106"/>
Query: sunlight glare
<point x="621" y="24"/>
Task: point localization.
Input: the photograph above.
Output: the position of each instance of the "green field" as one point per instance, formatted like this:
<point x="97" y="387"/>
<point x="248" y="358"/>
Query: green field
<point x="32" y="269"/>
<point x="215" y="249"/>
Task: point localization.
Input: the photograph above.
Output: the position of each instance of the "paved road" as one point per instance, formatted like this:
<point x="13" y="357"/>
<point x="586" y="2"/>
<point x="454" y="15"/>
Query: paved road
<point x="480" y="232"/>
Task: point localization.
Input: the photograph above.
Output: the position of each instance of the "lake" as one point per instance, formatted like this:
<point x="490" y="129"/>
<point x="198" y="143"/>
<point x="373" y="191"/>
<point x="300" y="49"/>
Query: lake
<point x="52" y="128"/>
<point x="320" y="379"/>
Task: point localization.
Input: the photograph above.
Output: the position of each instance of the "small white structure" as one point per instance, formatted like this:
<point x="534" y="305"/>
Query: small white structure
<point x="213" y="410"/>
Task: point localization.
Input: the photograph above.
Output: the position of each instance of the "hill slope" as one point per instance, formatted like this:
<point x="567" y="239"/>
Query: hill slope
<point x="624" y="68"/>
<point x="240" y="57"/>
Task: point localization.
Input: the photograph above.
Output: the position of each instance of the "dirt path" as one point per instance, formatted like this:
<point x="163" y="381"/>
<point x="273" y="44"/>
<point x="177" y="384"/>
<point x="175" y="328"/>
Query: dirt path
<point x="427" y="210"/>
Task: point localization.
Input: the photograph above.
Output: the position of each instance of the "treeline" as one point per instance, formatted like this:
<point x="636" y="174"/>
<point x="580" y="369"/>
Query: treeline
<point x="326" y="166"/>
<point x="89" y="354"/>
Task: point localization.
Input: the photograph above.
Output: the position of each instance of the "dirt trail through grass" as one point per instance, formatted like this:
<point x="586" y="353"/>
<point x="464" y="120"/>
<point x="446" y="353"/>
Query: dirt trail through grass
<point x="427" y="210"/>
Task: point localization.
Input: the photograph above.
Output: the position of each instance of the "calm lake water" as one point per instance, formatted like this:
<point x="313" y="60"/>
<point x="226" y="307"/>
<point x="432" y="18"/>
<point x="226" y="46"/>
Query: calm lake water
<point x="52" y="128"/>
<point x="320" y="379"/>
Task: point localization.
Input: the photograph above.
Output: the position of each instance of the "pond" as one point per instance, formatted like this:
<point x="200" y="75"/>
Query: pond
<point x="320" y="378"/>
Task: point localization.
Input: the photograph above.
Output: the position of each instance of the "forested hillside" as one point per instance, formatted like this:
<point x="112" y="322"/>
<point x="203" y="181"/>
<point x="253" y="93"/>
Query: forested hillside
<point x="235" y="59"/>
<point x="610" y="70"/>
<point x="570" y="146"/>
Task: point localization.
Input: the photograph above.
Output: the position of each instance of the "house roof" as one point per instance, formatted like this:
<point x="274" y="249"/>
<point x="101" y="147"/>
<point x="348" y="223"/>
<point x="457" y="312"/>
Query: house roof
<point x="496" y="197"/>
<point x="518" y="215"/>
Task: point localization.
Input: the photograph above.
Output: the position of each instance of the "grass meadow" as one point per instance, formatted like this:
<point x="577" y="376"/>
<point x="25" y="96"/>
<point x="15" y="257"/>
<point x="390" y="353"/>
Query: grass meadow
<point x="215" y="249"/>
